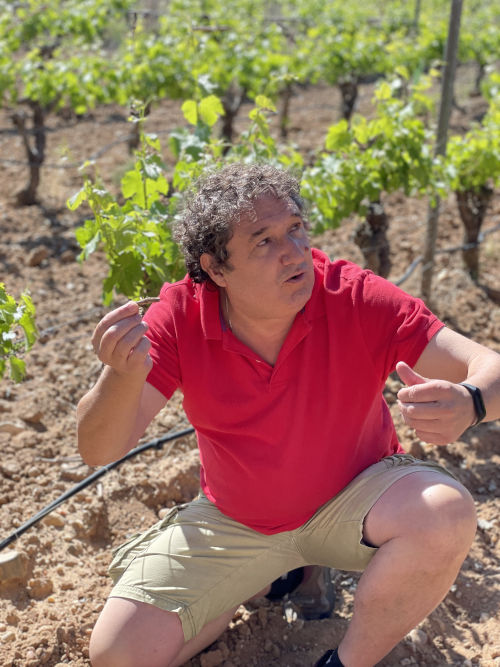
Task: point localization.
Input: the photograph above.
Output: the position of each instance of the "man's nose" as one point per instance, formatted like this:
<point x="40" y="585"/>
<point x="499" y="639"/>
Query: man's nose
<point x="293" y="249"/>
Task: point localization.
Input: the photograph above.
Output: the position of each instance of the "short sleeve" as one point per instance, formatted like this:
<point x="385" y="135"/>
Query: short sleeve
<point x="396" y="326"/>
<point x="165" y="374"/>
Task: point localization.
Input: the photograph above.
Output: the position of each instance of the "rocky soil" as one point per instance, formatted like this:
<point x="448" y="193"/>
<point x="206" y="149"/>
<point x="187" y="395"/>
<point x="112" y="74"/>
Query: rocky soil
<point x="53" y="589"/>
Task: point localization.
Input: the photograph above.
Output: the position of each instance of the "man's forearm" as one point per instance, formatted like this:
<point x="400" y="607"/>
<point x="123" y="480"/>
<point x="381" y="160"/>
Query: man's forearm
<point x="107" y="416"/>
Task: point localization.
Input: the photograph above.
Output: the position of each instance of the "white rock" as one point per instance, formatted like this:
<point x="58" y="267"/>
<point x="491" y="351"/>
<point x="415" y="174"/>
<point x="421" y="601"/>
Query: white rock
<point x="13" y="566"/>
<point x="418" y="637"/>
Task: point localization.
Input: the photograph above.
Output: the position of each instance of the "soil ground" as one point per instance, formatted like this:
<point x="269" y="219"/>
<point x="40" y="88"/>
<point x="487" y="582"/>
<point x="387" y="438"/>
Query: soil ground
<point x="46" y="617"/>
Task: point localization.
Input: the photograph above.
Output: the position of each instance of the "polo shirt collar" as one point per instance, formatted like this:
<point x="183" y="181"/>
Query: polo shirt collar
<point x="208" y="295"/>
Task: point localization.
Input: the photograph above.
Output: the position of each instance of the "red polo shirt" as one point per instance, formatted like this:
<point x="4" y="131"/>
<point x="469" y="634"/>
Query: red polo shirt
<point x="278" y="442"/>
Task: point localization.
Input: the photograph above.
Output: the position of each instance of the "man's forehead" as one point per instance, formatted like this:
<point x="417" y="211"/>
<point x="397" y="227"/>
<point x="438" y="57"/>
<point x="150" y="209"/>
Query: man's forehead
<point x="269" y="209"/>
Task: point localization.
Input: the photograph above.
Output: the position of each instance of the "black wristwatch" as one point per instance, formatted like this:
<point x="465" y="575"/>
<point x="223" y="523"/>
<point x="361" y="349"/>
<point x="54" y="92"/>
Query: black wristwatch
<point x="477" y="398"/>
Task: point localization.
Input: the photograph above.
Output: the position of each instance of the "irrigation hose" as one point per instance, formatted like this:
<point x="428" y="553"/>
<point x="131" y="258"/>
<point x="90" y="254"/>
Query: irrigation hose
<point x="156" y="443"/>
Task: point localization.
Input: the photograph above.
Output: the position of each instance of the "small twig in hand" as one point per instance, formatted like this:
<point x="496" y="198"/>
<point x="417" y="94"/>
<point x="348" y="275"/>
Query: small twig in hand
<point x="147" y="301"/>
<point x="144" y="303"/>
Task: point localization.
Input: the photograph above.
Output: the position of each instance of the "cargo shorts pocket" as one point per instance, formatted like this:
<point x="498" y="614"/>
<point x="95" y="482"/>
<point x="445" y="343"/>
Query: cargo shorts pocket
<point x="124" y="554"/>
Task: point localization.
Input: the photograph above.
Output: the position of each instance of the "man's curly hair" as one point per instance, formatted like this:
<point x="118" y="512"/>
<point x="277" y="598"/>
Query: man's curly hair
<point x="219" y="200"/>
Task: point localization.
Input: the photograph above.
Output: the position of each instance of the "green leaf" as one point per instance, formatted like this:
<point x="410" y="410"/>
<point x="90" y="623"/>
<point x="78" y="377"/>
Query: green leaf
<point x="190" y="111"/>
<point x="132" y="187"/>
<point x="27" y="321"/>
<point x="17" y="369"/>
<point x="383" y="91"/>
<point x="153" y="141"/>
<point x="92" y="245"/>
<point x="265" y="103"/>
<point x="210" y="109"/>
<point x="74" y="202"/>
<point x="338" y="136"/>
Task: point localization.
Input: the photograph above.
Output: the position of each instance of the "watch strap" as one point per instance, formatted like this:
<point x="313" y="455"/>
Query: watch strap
<point x="477" y="399"/>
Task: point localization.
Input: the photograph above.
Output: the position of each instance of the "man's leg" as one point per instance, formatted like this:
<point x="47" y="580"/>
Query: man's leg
<point x="423" y="525"/>
<point x="136" y="634"/>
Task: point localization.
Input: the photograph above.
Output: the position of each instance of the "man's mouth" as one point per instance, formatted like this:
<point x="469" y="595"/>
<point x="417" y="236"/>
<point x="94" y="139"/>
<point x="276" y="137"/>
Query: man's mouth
<point x="296" y="277"/>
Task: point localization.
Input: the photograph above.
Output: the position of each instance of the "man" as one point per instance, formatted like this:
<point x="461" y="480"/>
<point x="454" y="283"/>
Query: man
<point x="282" y="357"/>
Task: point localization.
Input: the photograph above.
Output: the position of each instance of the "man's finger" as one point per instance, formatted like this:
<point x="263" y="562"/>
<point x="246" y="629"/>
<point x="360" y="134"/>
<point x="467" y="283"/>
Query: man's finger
<point x="425" y="410"/>
<point x="408" y="375"/>
<point x="118" y="315"/>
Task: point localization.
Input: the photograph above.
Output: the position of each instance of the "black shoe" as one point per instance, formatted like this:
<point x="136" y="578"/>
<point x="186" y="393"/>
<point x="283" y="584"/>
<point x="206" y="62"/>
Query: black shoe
<point x="329" y="659"/>
<point x="314" y="598"/>
<point x="286" y="584"/>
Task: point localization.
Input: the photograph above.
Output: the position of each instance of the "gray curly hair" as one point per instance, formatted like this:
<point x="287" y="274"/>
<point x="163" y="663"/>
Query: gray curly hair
<point x="218" y="201"/>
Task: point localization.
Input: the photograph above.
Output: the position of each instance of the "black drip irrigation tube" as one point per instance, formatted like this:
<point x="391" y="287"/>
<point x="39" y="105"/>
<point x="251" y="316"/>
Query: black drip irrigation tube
<point x="156" y="443"/>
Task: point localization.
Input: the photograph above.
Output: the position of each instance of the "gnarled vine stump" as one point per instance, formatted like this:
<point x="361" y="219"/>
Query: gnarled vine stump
<point x="472" y="206"/>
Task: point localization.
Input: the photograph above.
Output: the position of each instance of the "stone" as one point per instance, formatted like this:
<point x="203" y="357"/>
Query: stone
<point x="37" y="255"/>
<point x="40" y="587"/>
<point x="9" y="469"/>
<point x="13" y="567"/>
<point x="5" y="406"/>
<point x="12" y="618"/>
<point x="71" y="473"/>
<point x="33" y="415"/>
<point x="12" y="427"/>
<point x="54" y="519"/>
<point x="67" y="256"/>
<point x="418" y="637"/>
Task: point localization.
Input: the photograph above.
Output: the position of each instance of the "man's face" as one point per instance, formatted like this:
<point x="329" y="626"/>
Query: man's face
<point x="270" y="273"/>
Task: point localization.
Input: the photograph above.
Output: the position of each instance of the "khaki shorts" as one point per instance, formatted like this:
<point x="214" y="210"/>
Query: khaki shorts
<point x="199" y="563"/>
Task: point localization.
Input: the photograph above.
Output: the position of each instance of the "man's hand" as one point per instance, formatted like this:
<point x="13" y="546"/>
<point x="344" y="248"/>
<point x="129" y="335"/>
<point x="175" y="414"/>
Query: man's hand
<point x="438" y="410"/>
<point x="120" y="343"/>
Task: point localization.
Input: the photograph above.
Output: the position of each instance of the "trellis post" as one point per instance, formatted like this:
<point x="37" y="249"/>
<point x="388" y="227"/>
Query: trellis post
<point x="442" y="135"/>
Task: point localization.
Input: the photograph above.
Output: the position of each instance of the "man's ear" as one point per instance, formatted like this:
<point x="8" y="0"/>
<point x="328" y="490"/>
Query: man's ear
<point x="210" y="266"/>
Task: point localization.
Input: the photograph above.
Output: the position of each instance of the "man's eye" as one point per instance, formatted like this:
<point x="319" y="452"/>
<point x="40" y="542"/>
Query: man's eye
<point x="263" y="242"/>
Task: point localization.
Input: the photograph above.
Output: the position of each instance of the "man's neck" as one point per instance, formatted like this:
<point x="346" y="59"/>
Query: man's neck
<point x="265" y="336"/>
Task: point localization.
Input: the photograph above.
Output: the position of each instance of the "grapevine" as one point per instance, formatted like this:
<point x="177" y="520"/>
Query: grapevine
<point x="17" y="332"/>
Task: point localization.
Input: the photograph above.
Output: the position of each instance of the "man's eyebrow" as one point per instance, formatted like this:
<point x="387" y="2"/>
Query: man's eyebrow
<point x="265" y="228"/>
<point x="258" y="232"/>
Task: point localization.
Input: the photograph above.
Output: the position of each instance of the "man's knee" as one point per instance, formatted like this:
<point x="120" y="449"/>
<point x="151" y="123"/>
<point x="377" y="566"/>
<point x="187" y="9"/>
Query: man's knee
<point x="450" y="519"/>
<point x="436" y="513"/>
<point x="135" y="634"/>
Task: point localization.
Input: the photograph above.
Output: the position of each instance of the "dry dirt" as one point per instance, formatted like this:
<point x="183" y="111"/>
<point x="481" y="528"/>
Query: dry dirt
<point x="46" y="618"/>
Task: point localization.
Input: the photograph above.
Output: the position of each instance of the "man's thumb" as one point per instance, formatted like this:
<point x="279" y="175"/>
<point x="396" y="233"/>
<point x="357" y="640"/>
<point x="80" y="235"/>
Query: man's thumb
<point x="408" y="375"/>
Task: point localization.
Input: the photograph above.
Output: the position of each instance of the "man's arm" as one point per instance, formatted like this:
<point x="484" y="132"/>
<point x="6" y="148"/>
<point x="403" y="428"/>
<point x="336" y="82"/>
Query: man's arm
<point x="113" y="415"/>
<point x="433" y="403"/>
